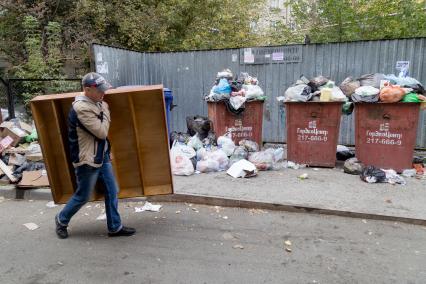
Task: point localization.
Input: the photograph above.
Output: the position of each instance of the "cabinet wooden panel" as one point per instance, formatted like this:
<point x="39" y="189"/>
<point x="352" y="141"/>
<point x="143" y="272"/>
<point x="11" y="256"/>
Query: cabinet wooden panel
<point x="138" y="135"/>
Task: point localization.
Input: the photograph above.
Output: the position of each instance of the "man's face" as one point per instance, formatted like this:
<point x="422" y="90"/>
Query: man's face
<point x="94" y="93"/>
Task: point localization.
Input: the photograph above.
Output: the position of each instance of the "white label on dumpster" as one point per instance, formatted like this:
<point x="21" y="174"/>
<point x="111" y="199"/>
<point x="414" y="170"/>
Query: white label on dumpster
<point x="240" y="131"/>
<point x="383" y="136"/>
<point x="312" y="133"/>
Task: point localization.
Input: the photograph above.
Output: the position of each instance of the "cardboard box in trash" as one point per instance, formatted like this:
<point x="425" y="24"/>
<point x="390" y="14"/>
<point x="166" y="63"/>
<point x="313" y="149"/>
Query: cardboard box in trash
<point x="138" y="135"/>
<point x="8" y="128"/>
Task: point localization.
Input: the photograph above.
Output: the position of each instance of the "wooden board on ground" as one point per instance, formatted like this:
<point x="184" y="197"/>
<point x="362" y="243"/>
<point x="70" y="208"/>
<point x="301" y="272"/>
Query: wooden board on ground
<point x="138" y="135"/>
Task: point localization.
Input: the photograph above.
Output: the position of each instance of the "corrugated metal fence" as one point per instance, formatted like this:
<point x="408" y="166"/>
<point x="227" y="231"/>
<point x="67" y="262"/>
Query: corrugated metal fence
<point x="190" y="75"/>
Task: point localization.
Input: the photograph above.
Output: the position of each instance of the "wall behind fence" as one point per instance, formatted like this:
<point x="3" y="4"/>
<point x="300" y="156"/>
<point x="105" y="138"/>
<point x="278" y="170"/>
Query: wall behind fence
<point x="190" y="75"/>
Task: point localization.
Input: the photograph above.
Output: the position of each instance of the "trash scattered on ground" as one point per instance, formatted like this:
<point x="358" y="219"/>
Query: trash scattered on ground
<point x="243" y="169"/>
<point x="225" y="217"/>
<point x="31" y="226"/>
<point x="51" y="204"/>
<point x="178" y="212"/>
<point x="287" y="243"/>
<point x="238" y="246"/>
<point x="343" y="153"/>
<point x="303" y="176"/>
<point x="288" y="249"/>
<point x="148" y="207"/>
<point x="372" y="174"/>
<point x="229" y="237"/>
<point x="353" y="166"/>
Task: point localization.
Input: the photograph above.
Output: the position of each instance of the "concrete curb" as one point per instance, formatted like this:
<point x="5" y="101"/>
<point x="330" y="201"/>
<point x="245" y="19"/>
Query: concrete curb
<point x="26" y="194"/>
<point x="224" y="202"/>
<point x="44" y="194"/>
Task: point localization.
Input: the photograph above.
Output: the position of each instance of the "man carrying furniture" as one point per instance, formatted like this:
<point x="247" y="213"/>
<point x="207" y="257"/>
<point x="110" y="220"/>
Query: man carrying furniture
<point x="89" y="121"/>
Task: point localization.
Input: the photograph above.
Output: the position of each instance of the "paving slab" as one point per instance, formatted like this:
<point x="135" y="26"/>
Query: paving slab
<point x="327" y="189"/>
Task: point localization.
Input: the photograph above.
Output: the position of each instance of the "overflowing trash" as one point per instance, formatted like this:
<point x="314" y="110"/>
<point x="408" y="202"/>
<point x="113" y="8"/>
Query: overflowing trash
<point x="21" y="159"/>
<point x="235" y="91"/>
<point x="370" y="88"/>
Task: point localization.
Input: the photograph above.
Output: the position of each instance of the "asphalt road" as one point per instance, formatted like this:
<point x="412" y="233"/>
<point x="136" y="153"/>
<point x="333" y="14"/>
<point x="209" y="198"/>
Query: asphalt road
<point x="203" y="244"/>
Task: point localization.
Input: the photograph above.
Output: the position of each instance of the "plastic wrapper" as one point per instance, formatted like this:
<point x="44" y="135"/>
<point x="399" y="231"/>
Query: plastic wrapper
<point x="392" y="94"/>
<point x="348" y="86"/>
<point x="250" y="145"/>
<point x="393" y="178"/>
<point x="298" y="93"/>
<point x="262" y="160"/>
<point x="226" y="144"/>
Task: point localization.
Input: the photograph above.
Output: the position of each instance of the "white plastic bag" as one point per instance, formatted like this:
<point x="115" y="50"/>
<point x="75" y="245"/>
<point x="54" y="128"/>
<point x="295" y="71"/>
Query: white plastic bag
<point x="180" y="162"/>
<point x="298" y="93"/>
<point x="213" y="161"/>
<point x="253" y="91"/>
<point x="195" y="142"/>
<point x="337" y="95"/>
<point x="226" y="143"/>
<point x="262" y="160"/>
<point x="366" y="91"/>
<point x="207" y="166"/>
<point x="237" y="101"/>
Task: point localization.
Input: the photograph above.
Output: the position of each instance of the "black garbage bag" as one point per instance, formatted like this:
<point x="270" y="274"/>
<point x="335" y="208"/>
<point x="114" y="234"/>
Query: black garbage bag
<point x="198" y="125"/>
<point x="353" y="167"/>
<point x="418" y="160"/>
<point x="372" y="174"/>
<point x="345" y="155"/>
<point x="417" y="88"/>
<point x="231" y="109"/>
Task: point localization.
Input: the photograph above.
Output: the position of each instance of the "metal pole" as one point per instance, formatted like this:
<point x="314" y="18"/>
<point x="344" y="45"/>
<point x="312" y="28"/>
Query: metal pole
<point x="10" y="101"/>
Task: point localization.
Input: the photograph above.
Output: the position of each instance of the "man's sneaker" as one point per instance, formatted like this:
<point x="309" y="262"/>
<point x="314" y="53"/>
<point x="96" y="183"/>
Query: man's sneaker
<point x="61" y="230"/>
<point x="125" y="231"/>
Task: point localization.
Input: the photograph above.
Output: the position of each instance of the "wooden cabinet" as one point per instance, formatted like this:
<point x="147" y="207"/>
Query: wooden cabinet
<point x="138" y="135"/>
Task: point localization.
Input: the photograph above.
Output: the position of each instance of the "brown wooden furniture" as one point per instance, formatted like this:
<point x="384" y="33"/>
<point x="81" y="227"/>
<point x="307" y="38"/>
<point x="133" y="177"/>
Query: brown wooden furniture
<point x="138" y="135"/>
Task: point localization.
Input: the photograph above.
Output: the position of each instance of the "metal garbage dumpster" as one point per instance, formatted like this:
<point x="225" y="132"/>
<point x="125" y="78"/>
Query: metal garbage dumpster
<point x="247" y="125"/>
<point x="385" y="134"/>
<point x="312" y="132"/>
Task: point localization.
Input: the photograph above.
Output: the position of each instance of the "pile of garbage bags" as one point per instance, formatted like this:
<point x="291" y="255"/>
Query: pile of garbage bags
<point x="235" y="91"/>
<point x="198" y="151"/>
<point x="369" y="88"/>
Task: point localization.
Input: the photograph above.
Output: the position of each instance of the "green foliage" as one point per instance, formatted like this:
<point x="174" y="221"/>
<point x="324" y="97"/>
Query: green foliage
<point x="349" y="20"/>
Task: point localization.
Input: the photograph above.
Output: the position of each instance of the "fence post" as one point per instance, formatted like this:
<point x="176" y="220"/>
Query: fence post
<point x="10" y="100"/>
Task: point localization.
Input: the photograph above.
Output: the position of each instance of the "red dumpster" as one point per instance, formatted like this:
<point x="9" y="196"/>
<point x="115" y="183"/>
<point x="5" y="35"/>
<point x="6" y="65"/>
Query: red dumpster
<point x="247" y="125"/>
<point x="312" y="132"/>
<point x="386" y="134"/>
